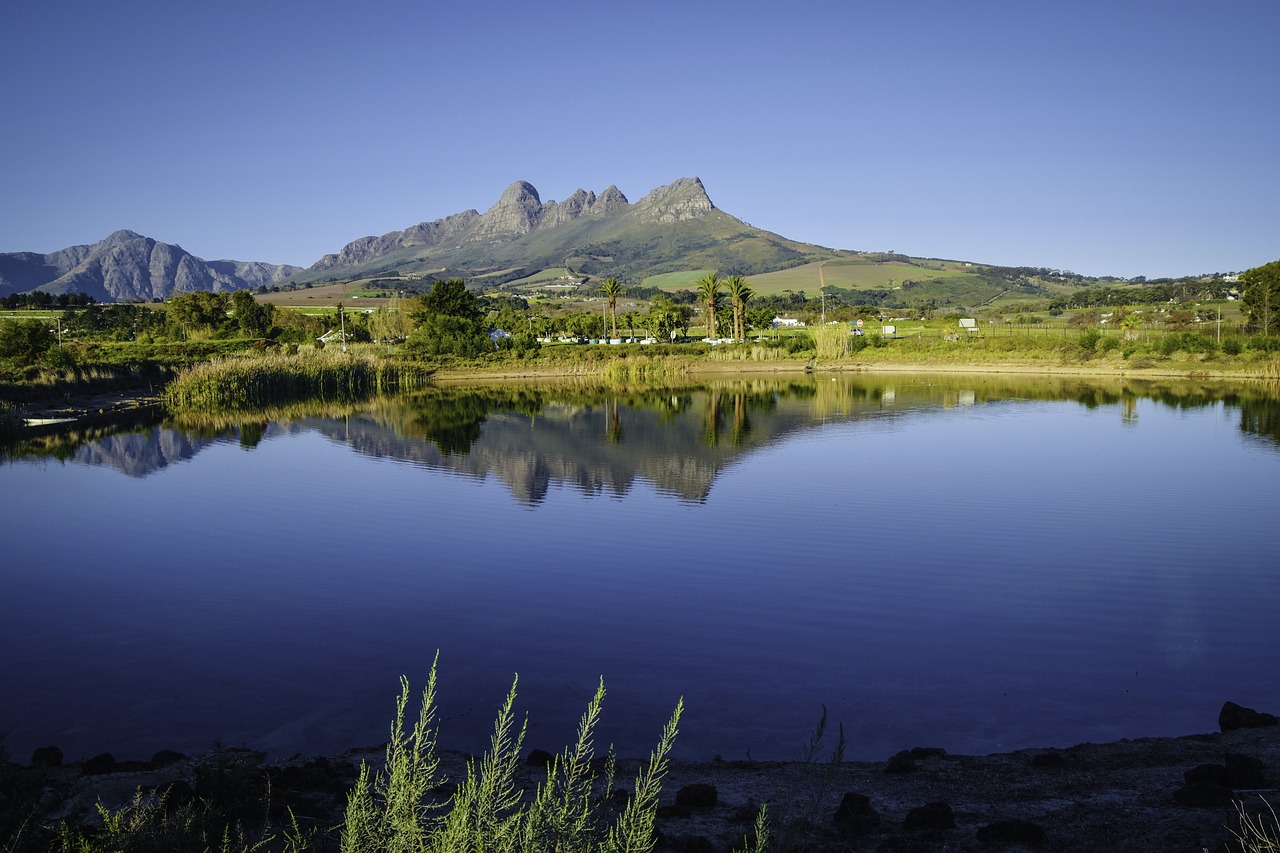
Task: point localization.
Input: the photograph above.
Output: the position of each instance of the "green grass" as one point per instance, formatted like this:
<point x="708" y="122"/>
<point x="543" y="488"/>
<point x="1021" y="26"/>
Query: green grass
<point x="547" y="275"/>
<point x="675" y="280"/>
<point x="854" y="274"/>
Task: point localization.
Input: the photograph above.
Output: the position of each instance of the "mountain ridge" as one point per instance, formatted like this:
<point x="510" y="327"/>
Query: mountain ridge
<point x="673" y="227"/>
<point x="126" y="265"/>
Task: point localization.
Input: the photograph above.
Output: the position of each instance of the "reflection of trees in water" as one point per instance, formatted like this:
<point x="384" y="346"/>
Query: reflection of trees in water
<point x="1260" y="416"/>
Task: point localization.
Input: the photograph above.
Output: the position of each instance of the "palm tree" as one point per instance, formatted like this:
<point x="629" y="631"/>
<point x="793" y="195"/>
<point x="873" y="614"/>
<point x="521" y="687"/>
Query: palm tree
<point x="740" y="293"/>
<point x="612" y="289"/>
<point x="709" y="292"/>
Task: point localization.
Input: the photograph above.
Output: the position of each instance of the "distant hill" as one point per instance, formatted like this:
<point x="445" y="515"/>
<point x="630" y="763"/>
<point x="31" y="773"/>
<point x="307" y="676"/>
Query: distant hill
<point x="672" y="229"/>
<point x="128" y="266"/>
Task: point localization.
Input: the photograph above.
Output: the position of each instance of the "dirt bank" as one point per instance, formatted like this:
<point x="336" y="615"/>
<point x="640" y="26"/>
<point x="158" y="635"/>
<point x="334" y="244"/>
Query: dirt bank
<point x="1132" y="795"/>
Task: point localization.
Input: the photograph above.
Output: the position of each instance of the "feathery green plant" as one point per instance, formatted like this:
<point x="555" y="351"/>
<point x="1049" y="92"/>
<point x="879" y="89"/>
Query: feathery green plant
<point x="388" y="811"/>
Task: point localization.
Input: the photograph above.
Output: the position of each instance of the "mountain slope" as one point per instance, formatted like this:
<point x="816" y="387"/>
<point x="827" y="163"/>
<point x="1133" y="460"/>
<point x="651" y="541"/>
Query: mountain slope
<point x="674" y="227"/>
<point x="128" y="266"/>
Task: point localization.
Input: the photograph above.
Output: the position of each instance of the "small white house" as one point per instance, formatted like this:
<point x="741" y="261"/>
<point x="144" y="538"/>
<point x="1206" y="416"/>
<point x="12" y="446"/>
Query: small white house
<point x="785" y="323"/>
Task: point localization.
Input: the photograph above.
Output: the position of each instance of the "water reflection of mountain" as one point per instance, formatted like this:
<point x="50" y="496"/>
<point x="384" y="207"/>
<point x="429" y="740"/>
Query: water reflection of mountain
<point x="677" y="440"/>
<point x="138" y="454"/>
<point x="601" y="441"/>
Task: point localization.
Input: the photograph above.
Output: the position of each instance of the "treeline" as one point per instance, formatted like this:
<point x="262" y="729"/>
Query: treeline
<point x="1168" y="291"/>
<point x="46" y="301"/>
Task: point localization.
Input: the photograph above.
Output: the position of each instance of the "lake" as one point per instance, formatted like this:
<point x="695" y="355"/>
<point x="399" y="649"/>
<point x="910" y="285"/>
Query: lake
<point x="979" y="563"/>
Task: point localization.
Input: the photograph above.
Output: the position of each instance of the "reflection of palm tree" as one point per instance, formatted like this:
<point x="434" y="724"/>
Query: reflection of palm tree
<point x="740" y="293"/>
<point x="741" y="426"/>
<point x="711" y="420"/>
<point x="612" y="290"/>
<point x="614" y="431"/>
<point x="709" y="292"/>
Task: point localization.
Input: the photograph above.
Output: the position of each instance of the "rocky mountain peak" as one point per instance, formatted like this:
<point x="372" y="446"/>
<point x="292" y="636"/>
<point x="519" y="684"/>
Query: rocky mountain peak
<point x="554" y="214"/>
<point x="516" y="213"/>
<point x="610" y="201"/>
<point x="676" y="202"/>
<point x="124" y="235"/>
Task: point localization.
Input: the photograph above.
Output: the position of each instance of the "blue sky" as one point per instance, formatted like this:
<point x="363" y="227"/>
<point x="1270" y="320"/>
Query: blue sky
<point x="1108" y="138"/>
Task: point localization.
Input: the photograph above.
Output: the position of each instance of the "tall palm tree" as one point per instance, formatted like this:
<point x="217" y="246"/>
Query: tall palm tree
<point x="709" y="292"/>
<point x="741" y="294"/>
<point x="612" y="289"/>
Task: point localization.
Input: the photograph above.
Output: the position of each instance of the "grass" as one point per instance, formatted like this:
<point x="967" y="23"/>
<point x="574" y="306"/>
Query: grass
<point x="393" y="810"/>
<point x="254" y="381"/>
<point x="675" y="280"/>
<point x="1258" y="833"/>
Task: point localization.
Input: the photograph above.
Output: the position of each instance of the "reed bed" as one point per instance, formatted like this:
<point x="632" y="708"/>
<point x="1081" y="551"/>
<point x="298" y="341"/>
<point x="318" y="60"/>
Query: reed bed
<point x="251" y="381"/>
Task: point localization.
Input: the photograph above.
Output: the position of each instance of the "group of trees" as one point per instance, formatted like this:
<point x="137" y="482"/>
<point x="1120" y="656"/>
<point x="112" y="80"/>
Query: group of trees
<point x="1260" y="292"/>
<point x="708" y="290"/>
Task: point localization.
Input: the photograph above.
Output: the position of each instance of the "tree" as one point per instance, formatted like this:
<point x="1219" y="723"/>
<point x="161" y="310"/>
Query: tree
<point x="664" y="317"/>
<point x="741" y="294"/>
<point x="254" y="319"/>
<point x="450" y="322"/>
<point x="25" y="340"/>
<point x="1261" y="295"/>
<point x="612" y="290"/>
<point x="708" y="290"/>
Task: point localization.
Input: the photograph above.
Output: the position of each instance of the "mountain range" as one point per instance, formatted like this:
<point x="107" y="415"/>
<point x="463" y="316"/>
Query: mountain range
<point x="127" y="266"/>
<point x="674" y="228"/>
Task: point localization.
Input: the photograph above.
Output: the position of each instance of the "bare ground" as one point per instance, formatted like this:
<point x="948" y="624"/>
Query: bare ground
<point x="1115" y="797"/>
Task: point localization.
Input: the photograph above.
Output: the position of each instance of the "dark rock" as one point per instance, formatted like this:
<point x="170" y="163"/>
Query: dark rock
<point x="1206" y="773"/>
<point x="1012" y="832"/>
<point x="919" y="752"/>
<point x="539" y="758"/>
<point x="930" y="816"/>
<point x="901" y="763"/>
<point x="670" y="812"/>
<point x="47" y="756"/>
<point x="620" y="797"/>
<point x="1245" y="772"/>
<point x="906" y="844"/>
<point x="1046" y="760"/>
<point x="696" y="796"/>
<point x="694" y="844"/>
<point x="745" y="813"/>
<point x="165" y="757"/>
<point x="99" y="764"/>
<point x="856" y="815"/>
<point x="1233" y="716"/>
<point x="1205" y="794"/>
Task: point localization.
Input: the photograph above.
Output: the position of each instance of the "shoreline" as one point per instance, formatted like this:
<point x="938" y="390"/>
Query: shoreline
<point x="1168" y="794"/>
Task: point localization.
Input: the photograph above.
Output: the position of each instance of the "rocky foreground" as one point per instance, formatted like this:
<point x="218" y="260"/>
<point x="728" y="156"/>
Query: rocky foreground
<point x="1154" y="794"/>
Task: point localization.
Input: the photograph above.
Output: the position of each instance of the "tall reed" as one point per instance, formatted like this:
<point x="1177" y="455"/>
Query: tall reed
<point x="249" y="381"/>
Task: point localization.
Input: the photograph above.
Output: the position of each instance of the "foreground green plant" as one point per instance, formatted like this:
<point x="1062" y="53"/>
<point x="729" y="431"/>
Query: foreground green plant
<point x="390" y="811"/>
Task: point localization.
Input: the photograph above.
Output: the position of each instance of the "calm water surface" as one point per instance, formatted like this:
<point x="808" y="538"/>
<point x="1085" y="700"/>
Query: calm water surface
<point x="980" y="564"/>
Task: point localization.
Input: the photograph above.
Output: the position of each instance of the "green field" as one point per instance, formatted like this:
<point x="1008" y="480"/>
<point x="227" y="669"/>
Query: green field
<point x="675" y="280"/>
<point x="855" y="274"/>
<point x="542" y="277"/>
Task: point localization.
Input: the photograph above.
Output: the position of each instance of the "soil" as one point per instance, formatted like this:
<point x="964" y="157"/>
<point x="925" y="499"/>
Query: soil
<point x="1131" y="795"/>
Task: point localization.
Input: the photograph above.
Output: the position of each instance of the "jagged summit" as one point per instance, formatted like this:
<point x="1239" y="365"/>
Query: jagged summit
<point x="677" y="202"/>
<point x="674" y="227"/>
<point x="518" y="212"/>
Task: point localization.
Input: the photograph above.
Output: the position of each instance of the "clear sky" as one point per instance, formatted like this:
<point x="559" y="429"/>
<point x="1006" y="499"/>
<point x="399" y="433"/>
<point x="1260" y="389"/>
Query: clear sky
<point x="1110" y="138"/>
